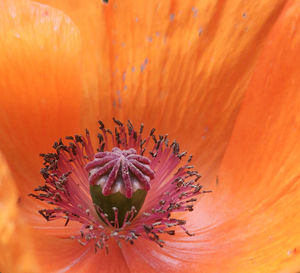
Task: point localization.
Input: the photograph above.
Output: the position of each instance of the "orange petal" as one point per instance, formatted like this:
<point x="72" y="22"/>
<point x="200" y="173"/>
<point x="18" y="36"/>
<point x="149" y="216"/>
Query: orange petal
<point x="179" y="66"/>
<point x="15" y="246"/>
<point x="69" y="256"/>
<point x="254" y="214"/>
<point x="190" y="108"/>
<point x="40" y="85"/>
<point x="146" y="256"/>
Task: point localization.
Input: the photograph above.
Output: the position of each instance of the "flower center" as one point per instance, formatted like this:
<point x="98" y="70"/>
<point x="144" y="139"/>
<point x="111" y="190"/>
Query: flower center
<point x="131" y="188"/>
<point x="119" y="181"/>
<point x="120" y="171"/>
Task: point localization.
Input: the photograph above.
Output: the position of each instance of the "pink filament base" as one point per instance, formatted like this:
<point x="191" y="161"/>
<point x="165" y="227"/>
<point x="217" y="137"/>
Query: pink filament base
<point x="173" y="187"/>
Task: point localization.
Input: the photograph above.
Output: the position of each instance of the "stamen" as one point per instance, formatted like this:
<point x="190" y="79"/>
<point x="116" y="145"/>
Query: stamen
<point x="105" y="190"/>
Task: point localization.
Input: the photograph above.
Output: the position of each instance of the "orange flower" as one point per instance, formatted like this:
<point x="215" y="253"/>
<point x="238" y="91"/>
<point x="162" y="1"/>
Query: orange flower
<point x="221" y="77"/>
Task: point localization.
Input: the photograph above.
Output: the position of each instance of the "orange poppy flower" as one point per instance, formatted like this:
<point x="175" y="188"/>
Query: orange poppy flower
<point x="221" y="77"/>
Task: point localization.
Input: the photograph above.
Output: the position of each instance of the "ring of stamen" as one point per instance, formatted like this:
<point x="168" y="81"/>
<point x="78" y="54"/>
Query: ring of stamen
<point x="121" y="155"/>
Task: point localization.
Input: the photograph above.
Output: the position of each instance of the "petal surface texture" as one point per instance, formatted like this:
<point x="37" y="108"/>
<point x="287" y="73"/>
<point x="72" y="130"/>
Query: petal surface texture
<point x="256" y="208"/>
<point x="16" y="252"/>
<point x="40" y="84"/>
<point x="181" y="67"/>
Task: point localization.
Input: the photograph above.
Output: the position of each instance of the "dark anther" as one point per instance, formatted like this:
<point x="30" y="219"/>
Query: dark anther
<point x="130" y="124"/>
<point x="181" y="222"/>
<point x="152" y="131"/>
<point x="190" y="234"/>
<point x="102" y="147"/>
<point x="42" y="188"/>
<point x="67" y="221"/>
<point x="154" y="237"/>
<point x="153" y="154"/>
<point x="176" y="148"/>
<point x="55" y="145"/>
<point x="148" y="228"/>
<point x="129" y="130"/>
<point x="73" y="148"/>
<point x="35" y="196"/>
<point x="45" y="214"/>
<point x="117" y="136"/>
<point x="101" y="124"/>
<point x="157" y="145"/>
<point x="190" y="207"/>
<point x="130" y="127"/>
<point x="100" y="137"/>
<point x="44" y="173"/>
<point x="191" y="200"/>
<point x="154" y="138"/>
<point x="181" y="155"/>
<point x="44" y="195"/>
<point x="198" y="176"/>
<point x="117" y="122"/>
<point x="142" y="143"/>
<point x="162" y="202"/>
<point x="197" y="188"/>
<point x="141" y="128"/>
<point x="78" y="139"/>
